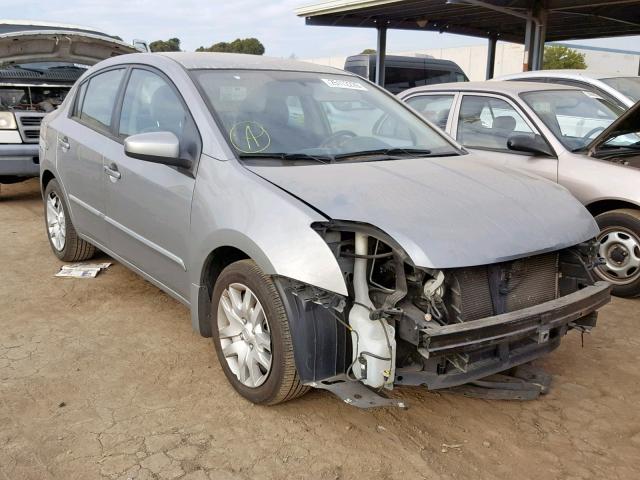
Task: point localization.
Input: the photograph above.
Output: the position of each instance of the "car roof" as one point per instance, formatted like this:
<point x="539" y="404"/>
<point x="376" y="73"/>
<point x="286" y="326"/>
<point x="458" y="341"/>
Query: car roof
<point x="491" y="86"/>
<point x="214" y="60"/>
<point x="569" y="74"/>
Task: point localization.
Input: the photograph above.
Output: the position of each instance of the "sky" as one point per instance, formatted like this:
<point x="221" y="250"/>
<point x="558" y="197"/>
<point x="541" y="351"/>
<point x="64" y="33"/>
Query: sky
<point x="204" y="22"/>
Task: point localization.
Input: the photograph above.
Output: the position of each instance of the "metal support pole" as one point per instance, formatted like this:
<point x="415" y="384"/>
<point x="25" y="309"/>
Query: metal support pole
<point x="540" y="37"/>
<point x="529" y="36"/>
<point x="491" y="57"/>
<point x="381" y="53"/>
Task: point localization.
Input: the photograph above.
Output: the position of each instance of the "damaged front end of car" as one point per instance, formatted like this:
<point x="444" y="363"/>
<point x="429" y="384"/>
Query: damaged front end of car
<point x="440" y="328"/>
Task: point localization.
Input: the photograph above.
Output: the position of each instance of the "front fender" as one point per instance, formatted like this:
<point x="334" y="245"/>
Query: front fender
<point x="233" y="207"/>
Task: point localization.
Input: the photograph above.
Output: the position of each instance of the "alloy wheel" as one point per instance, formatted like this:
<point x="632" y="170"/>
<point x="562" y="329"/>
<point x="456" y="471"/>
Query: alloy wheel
<point x="56" y="222"/>
<point x="244" y="335"/>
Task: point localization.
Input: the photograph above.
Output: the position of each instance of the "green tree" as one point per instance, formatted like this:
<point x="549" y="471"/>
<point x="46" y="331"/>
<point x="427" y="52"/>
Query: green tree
<point x="252" y="46"/>
<point x="171" y="45"/>
<point x="368" y="51"/>
<point x="558" y="57"/>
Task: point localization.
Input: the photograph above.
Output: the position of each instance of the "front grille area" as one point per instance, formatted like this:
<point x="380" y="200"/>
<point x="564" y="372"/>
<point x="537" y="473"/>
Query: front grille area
<point x="30" y="121"/>
<point x="29" y="125"/>
<point x="479" y="292"/>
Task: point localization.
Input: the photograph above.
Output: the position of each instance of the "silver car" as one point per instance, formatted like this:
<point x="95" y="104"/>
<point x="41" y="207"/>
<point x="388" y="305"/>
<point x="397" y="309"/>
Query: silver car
<point x="317" y="249"/>
<point x="572" y="136"/>
<point x="623" y="90"/>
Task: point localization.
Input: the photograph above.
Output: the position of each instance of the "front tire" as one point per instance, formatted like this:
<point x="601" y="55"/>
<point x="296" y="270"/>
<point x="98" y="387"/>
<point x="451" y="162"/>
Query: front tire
<point x="62" y="235"/>
<point x="251" y="335"/>
<point x="619" y="240"/>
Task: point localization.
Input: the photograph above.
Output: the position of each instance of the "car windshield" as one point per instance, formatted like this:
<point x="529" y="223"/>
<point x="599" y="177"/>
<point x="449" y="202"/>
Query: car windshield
<point x="576" y="117"/>
<point x="314" y="116"/>
<point x="628" y="86"/>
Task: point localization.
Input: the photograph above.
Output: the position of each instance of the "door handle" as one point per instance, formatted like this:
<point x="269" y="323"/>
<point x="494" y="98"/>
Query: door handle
<point x="64" y="144"/>
<point x="112" y="171"/>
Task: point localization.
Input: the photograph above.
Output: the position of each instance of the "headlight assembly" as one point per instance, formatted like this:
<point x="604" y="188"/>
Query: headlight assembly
<point x="7" y="121"/>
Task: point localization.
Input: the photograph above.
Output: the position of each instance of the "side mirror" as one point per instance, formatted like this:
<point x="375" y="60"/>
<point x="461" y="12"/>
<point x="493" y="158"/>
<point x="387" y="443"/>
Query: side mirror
<point x="530" y="143"/>
<point x="156" y="147"/>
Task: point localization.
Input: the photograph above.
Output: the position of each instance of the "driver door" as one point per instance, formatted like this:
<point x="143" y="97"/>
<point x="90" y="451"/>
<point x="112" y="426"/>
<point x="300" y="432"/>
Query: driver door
<point x="483" y="123"/>
<point x="149" y="204"/>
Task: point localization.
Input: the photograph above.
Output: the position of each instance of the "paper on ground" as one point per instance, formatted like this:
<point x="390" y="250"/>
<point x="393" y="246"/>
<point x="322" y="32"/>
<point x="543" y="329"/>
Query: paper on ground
<point x="82" y="270"/>
<point x="97" y="266"/>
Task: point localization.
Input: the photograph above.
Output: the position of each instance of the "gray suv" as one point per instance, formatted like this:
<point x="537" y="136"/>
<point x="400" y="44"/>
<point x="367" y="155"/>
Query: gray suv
<point x="315" y="249"/>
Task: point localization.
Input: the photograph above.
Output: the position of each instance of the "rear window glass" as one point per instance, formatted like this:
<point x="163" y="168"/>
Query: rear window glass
<point x="434" y="108"/>
<point x="100" y="98"/>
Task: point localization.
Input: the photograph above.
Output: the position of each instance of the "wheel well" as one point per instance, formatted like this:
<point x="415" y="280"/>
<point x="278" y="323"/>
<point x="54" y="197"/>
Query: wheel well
<point x="47" y="176"/>
<point x="602" y="206"/>
<point x="216" y="261"/>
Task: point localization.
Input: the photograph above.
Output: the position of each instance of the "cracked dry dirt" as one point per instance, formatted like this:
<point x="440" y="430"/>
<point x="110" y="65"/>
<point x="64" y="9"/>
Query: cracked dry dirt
<point x="104" y="379"/>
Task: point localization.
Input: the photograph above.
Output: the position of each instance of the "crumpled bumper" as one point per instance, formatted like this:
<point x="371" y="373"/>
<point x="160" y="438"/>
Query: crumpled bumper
<point x="512" y="338"/>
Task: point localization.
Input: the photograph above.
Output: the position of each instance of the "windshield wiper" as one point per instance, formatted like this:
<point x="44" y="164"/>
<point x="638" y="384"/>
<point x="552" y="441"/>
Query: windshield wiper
<point x="289" y="156"/>
<point x="605" y="146"/>
<point x="412" y="152"/>
<point x="20" y="67"/>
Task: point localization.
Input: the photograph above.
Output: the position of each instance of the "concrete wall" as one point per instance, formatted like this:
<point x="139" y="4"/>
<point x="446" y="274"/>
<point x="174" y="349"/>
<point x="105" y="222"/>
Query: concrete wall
<point x="509" y="59"/>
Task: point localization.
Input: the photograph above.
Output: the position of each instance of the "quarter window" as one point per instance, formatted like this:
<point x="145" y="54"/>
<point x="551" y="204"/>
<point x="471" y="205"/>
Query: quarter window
<point x="100" y="99"/>
<point x="79" y="97"/>
<point x="434" y="108"/>
<point x="151" y="105"/>
<point x="487" y="122"/>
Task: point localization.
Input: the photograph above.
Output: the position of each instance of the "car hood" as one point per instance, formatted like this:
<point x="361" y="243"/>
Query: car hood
<point x="445" y="213"/>
<point x="59" y="45"/>
<point x="628" y="122"/>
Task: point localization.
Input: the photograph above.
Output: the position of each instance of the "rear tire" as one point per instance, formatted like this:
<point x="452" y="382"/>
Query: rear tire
<point x="619" y="239"/>
<point x="248" y="310"/>
<point x="62" y="235"/>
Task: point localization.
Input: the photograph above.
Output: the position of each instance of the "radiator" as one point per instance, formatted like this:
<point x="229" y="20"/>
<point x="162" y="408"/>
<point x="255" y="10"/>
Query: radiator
<point x="479" y="292"/>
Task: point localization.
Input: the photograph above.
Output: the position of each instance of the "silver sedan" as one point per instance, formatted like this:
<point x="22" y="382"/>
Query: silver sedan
<point x="316" y="248"/>
<point x="572" y="136"/>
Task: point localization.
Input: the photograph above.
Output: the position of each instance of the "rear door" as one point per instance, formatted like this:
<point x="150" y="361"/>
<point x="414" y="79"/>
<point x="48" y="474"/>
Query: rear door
<point x="149" y="204"/>
<point x="484" y="122"/>
<point x="82" y="138"/>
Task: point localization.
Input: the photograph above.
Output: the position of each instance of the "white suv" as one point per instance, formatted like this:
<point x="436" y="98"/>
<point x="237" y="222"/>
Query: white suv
<point x="39" y="63"/>
<point x="623" y="90"/>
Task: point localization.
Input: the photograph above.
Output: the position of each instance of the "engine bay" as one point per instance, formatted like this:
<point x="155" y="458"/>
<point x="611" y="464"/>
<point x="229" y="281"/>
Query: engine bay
<point x="31" y="98"/>
<point x="439" y="328"/>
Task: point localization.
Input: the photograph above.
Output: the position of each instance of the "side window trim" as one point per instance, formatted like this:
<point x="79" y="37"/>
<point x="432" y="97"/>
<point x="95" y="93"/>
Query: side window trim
<point x="115" y="115"/>
<point x="78" y="100"/>
<point x="108" y="132"/>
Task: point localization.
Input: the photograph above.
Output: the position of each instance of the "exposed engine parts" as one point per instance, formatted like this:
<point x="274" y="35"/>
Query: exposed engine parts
<point x="373" y="339"/>
<point x="442" y="328"/>
<point x="32" y="98"/>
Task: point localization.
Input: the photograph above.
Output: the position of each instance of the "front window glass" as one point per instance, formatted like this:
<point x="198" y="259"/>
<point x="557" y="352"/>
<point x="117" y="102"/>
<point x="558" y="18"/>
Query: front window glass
<point x="628" y="86"/>
<point x="315" y="114"/>
<point x="100" y="98"/>
<point x="434" y="108"/>
<point x="576" y="117"/>
<point x="488" y="122"/>
<point x="150" y="105"/>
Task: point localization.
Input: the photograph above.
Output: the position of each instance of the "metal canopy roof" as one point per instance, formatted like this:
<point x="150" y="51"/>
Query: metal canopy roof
<point x="502" y="19"/>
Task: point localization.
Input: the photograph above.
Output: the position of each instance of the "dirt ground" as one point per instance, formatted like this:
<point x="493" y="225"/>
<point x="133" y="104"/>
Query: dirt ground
<point x="104" y="378"/>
